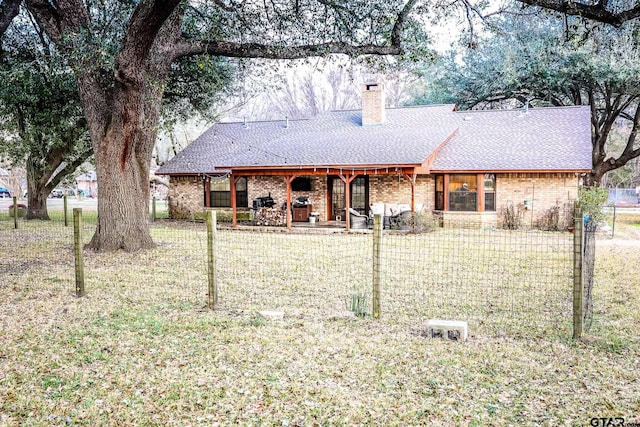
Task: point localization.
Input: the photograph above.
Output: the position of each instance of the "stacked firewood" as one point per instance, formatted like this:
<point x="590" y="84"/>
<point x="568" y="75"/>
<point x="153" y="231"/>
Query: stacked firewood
<point x="271" y="216"/>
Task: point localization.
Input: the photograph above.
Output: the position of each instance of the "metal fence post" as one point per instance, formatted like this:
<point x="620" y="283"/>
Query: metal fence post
<point x="377" y="264"/>
<point x="15" y="212"/>
<point x="77" y="246"/>
<point x="66" y="216"/>
<point x="578" y="287"/>
<point x="212" y="299"/>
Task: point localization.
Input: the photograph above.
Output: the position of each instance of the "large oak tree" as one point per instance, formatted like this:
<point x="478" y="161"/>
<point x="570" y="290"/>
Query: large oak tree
<point x="121" y="76"/>
<point x="43" y="127"/>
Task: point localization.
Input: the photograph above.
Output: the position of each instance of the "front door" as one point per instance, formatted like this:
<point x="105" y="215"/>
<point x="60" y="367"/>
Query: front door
<point x="359" y="196"/>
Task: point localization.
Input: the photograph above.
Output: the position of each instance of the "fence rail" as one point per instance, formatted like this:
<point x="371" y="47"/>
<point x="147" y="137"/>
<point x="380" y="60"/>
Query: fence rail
<point x="512" y="281"/>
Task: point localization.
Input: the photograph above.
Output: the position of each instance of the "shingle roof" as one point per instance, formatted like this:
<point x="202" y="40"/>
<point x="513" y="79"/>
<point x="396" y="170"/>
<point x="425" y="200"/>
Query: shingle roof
<point x="509" y="140"/>
<point x="492" y="140"/>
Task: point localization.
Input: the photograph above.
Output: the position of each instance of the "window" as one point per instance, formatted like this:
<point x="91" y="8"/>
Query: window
<point x="489" y="192"/>
<point x="439" y="192"/>
<point x="463" y="192"/>
<point x="221" y="193"/>
<point x="301" y="184"/>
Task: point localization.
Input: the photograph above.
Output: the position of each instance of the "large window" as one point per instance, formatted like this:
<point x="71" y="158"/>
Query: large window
<point x="466" y="192"/>
<point x="221" y="193"/>
<point x="463" y="193"/>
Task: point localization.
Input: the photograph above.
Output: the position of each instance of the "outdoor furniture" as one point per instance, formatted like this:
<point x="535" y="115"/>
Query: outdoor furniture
<point x="358" y="220"/>
<point x="393" y="213"/>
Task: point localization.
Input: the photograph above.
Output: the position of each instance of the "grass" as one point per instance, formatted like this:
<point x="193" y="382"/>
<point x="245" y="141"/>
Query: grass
<point x="141" y="348"/>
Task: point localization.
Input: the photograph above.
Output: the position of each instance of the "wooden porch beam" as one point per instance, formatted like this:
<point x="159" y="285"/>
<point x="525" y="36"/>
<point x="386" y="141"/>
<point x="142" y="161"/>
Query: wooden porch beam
<point x="347" y="179"/>
<point x="288" y="211"/>
<point x="412" y="181"/>
<point x="233" y="180"/>
<point x="324" y="171"/>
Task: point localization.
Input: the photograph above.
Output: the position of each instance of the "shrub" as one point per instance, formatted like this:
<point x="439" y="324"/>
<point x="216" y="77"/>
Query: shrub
<point x="416" y="222"/>
<point x="556" y="218"/>
<point x="511" y="216"/>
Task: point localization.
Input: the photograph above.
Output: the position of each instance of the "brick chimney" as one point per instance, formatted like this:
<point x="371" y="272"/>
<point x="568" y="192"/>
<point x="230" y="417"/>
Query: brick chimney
<point x="373" y="104"/>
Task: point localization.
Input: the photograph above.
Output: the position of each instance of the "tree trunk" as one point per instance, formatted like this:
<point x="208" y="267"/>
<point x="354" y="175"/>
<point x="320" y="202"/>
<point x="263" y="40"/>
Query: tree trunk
<point x="123" y="158"/>
<point x="37" y="203"/>
<point x="123" y="201"/>
<point x="37" y="193"/>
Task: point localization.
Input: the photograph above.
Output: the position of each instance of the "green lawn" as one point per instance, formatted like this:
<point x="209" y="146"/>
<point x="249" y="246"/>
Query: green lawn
<point x="142" y="349"/>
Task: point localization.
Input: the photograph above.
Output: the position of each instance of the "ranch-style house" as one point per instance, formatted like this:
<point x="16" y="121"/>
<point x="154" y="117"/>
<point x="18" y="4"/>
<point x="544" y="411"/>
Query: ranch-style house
<point x="461" y="165"/>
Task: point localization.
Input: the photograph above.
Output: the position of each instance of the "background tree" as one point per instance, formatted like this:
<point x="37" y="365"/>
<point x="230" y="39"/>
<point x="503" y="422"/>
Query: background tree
<point x="122" y="67"/>
<point x="43" y="126"/>
<point x="548" y="62"/>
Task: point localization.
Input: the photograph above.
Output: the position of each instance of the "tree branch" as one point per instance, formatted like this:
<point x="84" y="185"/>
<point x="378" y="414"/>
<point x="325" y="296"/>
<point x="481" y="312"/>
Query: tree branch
<point x="596" y="12"/>
<point x="258" y="50"/>
<point x="396" y="33"/>
<point x="47" y="17"/>
<point x="144" y="25"/>
<point x="9" y="9"/>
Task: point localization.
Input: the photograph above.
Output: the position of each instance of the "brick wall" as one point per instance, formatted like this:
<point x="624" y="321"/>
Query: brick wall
<point x="186" y="196"/>
<point x="261" y="186"/>
<point x="395" y="189"/>
<point x="536" y="191"/>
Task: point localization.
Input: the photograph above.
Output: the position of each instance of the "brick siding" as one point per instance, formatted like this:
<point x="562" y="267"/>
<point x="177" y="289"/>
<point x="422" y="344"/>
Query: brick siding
<point x="186" y="196"/>
<point x="534" y="193"/>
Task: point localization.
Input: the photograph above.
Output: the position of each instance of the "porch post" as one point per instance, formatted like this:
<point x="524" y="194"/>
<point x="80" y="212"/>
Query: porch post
<point x="207" y="192"/>
<point x="233" y="180"/>
<point x="446" y="192"/>
<point x="347" y="195"/>
<point x="288" y="212"/>
<point x="412" y="181"/>
<point x="480" y="193"/>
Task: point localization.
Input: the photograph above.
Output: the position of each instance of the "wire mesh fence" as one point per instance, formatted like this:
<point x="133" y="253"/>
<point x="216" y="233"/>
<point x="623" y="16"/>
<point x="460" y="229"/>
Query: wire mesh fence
<point x="38" y="253"/>
<point x="512" y="281"/>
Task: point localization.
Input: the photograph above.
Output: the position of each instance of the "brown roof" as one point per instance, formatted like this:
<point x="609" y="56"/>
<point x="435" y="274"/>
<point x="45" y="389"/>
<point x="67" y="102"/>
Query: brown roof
<point x="553" y="139"/>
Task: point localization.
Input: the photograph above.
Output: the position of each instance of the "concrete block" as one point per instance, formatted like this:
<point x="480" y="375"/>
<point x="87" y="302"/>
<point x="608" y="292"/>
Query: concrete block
<point x="272" y="315"/>
<point x="455" y="330"/>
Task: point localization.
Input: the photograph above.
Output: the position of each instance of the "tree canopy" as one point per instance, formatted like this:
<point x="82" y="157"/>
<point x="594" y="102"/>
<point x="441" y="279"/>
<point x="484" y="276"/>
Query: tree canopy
<point x="544" y="62"/>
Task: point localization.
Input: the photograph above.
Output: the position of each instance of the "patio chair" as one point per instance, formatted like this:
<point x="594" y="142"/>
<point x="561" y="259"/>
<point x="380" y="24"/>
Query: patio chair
<point x="357" y="219"/>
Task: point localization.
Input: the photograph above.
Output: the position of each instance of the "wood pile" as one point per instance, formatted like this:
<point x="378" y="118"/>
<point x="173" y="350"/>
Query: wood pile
<point x="271" y="217"/>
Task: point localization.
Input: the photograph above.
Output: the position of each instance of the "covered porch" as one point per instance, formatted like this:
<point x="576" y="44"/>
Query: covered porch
<point x="341" y="182"/>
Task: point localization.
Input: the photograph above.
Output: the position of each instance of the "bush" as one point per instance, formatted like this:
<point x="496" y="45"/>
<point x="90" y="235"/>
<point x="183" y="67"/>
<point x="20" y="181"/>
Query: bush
<point x="511" y="216"/>
<point x="416" y="222"/>
<point x="556" y="218"/>
<point x="592" y="199"/>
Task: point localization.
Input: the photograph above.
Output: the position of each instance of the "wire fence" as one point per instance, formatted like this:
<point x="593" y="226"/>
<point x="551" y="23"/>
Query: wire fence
<point x="500" y="281"/>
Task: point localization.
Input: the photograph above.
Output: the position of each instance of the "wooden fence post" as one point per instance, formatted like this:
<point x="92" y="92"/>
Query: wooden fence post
<point x="153" y="209"/>
<point x="578" y="287"/>
<point x="66" y="216"/>
<point x="377" y="264"/>
<point x="211" y="259"/>
<point x="15" y="212"/>
<point x="77" y="247"/>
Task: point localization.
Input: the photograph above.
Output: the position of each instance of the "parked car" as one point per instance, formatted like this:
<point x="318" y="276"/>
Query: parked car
<point x="57" y="193"/>
<point x="4" y="192"/>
